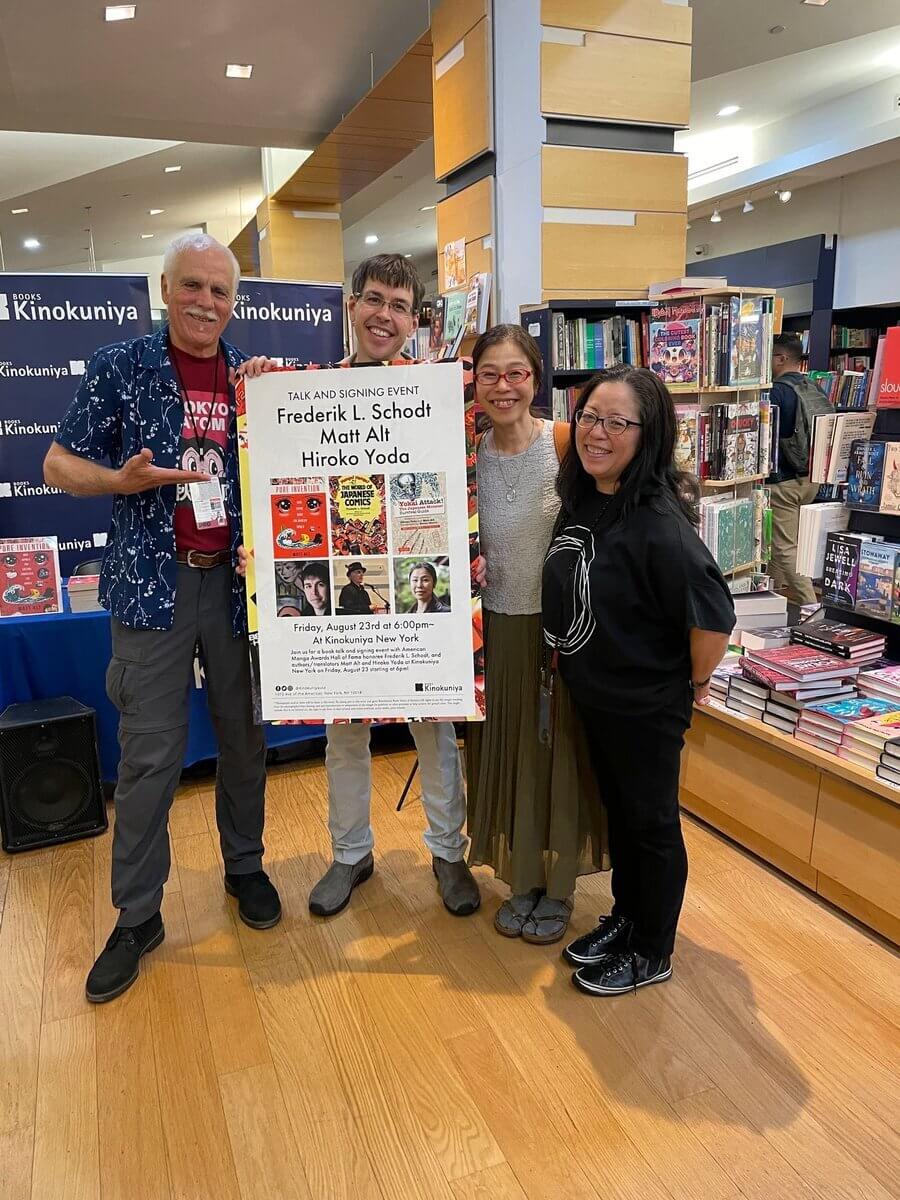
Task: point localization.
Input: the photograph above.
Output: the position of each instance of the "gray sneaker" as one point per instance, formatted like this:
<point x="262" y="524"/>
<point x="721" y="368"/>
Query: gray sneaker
<point x="332" y="893"/>
<point x="457" y="885"/>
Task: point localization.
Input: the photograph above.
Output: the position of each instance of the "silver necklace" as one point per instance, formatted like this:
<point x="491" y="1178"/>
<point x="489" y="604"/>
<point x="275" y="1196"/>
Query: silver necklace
<point x="512" y="493"/>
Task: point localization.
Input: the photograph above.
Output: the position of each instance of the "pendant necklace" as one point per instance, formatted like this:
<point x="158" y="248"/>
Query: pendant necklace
<point x="512" y="485"/>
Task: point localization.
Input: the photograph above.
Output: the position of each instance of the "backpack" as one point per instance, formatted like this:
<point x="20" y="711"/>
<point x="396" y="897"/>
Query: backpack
<point x="811" y="402"/>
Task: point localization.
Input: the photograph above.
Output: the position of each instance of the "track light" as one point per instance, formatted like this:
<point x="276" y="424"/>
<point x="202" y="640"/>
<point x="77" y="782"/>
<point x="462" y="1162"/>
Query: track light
<point x="716" y="217"/>
<point x="748" y="205"/>
<point x="784" y="194"/>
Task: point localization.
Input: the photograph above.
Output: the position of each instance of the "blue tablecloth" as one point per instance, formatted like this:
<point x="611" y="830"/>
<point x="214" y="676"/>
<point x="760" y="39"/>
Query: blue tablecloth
<point x="66" y="654"/>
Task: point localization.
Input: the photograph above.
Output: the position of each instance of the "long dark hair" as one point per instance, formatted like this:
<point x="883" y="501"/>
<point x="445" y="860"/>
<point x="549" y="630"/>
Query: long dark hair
<point x="651" y="475"/>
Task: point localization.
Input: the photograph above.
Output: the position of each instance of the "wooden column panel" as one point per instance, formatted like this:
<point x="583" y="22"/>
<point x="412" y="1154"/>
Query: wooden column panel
<point x="615" y="78"/>
<point x="624" y="258"/>
<point x="308" y="246"/>
<point x="632" y="18"/>
<point x="624" y="180"/>
<point x="463" y="100"/>
<point x="468" y="214"/>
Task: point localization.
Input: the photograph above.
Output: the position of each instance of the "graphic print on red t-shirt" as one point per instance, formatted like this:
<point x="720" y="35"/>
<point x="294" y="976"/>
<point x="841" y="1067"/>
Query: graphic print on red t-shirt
<point x="204" y="442"/>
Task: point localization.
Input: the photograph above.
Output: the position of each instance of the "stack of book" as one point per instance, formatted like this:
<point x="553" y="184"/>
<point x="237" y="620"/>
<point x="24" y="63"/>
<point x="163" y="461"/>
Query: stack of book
<point x="718" y="684"/>
<point x="725" y="441"/>
<point x="765" y="638"/>
<point x="846" y="388"/>
<point x="881" y="681"/>
<point x="832" y="441"/>
<point x="864" y="741"/>
<point x="84" y="593"/>
<point x="825" y="725"/>
<point x="889" y="762"/>
<point x="789" y="678"/>
<point x="860" y="647"/>
<point x="736" y="336"/>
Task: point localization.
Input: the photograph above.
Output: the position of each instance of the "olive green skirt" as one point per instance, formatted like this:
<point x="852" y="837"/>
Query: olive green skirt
<point x="534" y="813"/>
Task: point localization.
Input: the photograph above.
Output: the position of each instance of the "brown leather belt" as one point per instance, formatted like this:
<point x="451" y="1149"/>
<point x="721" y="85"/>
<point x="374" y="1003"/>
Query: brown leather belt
<point x="203" y="562"/>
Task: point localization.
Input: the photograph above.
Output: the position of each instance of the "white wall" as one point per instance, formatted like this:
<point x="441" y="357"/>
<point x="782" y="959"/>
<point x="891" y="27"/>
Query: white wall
<point x="862" y="209"/>
<point x="150" y="266"/>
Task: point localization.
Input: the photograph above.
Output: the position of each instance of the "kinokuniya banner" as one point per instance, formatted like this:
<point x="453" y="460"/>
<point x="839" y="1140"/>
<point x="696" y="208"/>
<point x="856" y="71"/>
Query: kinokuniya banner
<point x="50" y="325"/>
<point x="297" y="323"/>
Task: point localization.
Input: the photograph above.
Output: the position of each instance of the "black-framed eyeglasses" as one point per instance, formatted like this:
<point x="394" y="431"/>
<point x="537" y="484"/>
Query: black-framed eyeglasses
<point x="375" y="301"/>
<point x="490" y="378"/>
<point x="614" y="426"/>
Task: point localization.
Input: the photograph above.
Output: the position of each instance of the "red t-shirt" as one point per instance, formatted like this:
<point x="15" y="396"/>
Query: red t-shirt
<point x="204" y="441"/>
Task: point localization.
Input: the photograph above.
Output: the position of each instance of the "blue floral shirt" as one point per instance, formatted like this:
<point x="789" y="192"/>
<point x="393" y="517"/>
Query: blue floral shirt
<point x="129" y="400"/>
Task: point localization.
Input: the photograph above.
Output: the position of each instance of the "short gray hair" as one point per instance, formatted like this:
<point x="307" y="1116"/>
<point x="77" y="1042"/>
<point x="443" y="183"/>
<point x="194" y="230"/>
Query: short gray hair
<point x="196" y="241"/>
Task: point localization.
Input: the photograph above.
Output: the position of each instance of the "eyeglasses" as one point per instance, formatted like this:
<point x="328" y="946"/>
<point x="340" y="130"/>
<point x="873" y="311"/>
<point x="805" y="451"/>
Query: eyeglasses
<point x="614" y="426"/>
<point x="375" y="301"/>
<point x="489" y="378"/>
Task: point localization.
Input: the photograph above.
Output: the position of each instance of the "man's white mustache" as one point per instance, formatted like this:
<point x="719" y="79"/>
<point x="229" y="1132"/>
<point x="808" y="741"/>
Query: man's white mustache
<point x="204" y="314"/>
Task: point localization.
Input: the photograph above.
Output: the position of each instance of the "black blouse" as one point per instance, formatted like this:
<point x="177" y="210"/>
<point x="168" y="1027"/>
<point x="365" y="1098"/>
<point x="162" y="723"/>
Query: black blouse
<point x="620" y="597"/>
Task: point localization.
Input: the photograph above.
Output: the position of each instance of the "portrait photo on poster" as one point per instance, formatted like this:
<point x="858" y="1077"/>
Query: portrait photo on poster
<point x="303" y="588"/>
<point x="422" y="585"/>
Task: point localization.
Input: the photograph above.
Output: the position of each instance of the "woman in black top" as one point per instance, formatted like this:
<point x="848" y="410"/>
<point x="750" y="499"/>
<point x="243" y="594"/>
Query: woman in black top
<point x="422" y="582"/>
<point x="637" y="616"/>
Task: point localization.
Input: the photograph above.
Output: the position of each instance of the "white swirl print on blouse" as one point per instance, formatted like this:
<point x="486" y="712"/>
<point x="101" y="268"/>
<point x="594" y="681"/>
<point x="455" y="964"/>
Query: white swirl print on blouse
<point x="576" y="541"/>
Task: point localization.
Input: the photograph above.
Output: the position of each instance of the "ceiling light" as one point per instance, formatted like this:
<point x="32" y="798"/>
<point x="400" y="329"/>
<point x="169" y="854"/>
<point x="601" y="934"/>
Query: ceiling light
<point x="169" y="170"/>
<point x="748" y="205"/>
<point x="120" y="12"/>
<point x="777" y="28"/>
<point x="716" y="217"/>
<point x="31" y="244"/>
<point x="407" y="256"/>
<point x="729" y="110"/>
<point x="818" y="3"/>
<point x="239" y="70"/>
<point x="154" y="212"/>
<point x="371" y="239"/>
<point x="18" y="211"/>
<point x="427" y="208"/>
<point x="784" y="194"/>
<point x="144" y="236"/>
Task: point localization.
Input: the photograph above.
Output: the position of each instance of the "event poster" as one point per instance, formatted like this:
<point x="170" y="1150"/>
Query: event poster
<point x="31" y="579"/>
<point x="359" y="487"/>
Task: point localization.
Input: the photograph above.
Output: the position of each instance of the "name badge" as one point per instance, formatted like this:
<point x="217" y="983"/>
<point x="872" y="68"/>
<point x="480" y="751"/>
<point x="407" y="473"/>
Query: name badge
<point x="208" y="503"/>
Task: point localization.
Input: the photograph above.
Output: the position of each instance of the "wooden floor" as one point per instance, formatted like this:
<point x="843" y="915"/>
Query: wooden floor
<point x="398" y="1052"/>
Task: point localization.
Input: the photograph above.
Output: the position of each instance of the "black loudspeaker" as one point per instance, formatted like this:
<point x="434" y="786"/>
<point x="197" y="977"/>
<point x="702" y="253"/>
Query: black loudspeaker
<point x="49" y="774"/>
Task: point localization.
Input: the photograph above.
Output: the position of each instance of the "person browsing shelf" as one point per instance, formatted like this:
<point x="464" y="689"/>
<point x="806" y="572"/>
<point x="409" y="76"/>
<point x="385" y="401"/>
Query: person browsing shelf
<point x="534" y="813"/>
<point x="637" y="615"/>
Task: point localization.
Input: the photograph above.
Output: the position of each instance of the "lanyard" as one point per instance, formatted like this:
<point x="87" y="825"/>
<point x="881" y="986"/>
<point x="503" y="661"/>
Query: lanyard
<point x="188" y="407"/>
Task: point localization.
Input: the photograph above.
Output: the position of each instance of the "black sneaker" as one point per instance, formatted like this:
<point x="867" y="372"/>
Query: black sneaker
<point x="620" y="973"/>
<point x="258" y="902"/>
<point x="611" y="936"/>
<point x="119" y="963"/>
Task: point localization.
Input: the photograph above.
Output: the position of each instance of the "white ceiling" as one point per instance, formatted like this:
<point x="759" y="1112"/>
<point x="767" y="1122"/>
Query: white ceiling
<point x="730" y="34"/>
<point x="162" y="75"/>
<point x="29" y="161"/>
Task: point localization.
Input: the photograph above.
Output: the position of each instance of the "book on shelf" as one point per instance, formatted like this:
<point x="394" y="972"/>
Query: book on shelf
<point x="829" y="722"/>
<point x="845" y="388"/>
<point x="478" y="300"/>
<point x="802" y="664"/>
<point x="881" y="681"/>
<point x="765" y="639"/>
<point x="871" y="734"/>
<point x="889" y="370"/>
<point x="833" y="436"/>
<point x="727" y="527"/>
<point x="845" y="641"/>
<point x="675" y="344"/>
<point x="586" y="344"/>
<point x="845" y="338"/>
<point x="888" y="774"/>
<point x="728" y="439"/>
<point x="890" y="484"/>
<point x="687" y="283"/>
<point x="876" y="576"/>
<point x="817" y="521"/>
<point x="840" y="571"/>
<point x="687" y="438"/>
<point x="890" y="753"/>
<point x="851" y="365"/>
<point x="782" y="685"/>
<point x="454" y="315"/>
<point x="736" y="336"/>
<point x="865" y="474"/>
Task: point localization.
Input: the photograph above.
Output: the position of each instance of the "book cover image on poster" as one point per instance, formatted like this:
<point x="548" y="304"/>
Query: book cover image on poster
<point x="675" y="343"/>
<point x="418" y="512"/>
<point x="31" y="579"/>
<point x="865" y="473"/>
<point x="362" y="588"/>
<point x="358" y="521"/>
<point x="299" y="518"/>
<point x="303" y="588"/>
<point x="422" y="585"/>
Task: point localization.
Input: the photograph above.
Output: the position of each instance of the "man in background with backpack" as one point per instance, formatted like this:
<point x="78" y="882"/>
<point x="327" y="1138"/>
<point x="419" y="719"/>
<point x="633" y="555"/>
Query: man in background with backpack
<point x="799" y="400"/>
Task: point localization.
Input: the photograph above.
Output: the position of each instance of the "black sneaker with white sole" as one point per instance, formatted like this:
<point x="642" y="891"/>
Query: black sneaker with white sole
<point x="611" y="936"/>
<point x="622" y="973"/>
<point x="119" y="963"/>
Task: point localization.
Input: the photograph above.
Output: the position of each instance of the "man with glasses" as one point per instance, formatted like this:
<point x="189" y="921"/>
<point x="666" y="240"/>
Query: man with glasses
<point x="383" y="308"/>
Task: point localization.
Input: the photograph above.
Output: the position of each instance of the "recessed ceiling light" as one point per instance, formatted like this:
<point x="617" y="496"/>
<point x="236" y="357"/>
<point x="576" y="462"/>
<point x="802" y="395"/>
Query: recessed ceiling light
<point x="784" y="194"/>
<point x="371" y="239"/>
<point x="716" y="217"/>
<point x="427" y="207"/>
<point x="144" y="236"/>
<point x="748" y="205"/>
<point x="818" y="3"/>
<point x="239" y="70"/>
<point x="31" y="244"/>
<point x="169" y="170"/>
<point x="120" y="12"/>
<point x="729" y="110"/>
<point x="407" y="256"/>
<point x="18" y="211"/>
<point x="154" y="212"/>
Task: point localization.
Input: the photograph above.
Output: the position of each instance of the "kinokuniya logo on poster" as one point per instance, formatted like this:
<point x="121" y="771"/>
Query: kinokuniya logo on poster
<point x="15" y="427"/>
<point x="247" y="308"/>
<point x="30" y="306"/>
<point x="11" y="370"/>
<point x="23" y="489"/>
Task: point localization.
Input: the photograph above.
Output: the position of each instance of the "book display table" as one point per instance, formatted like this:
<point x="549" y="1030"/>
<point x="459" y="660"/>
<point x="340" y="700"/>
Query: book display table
<point x="829" y="824"/>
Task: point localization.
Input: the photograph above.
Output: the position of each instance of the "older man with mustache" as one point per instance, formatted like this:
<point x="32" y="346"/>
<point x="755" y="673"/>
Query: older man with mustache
<point x="161" y="410"/>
